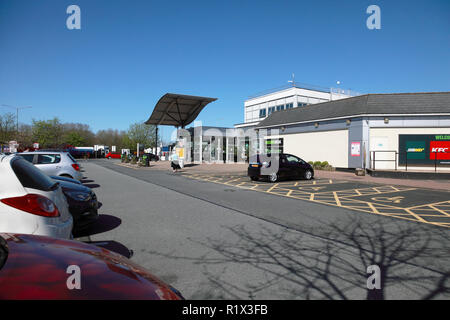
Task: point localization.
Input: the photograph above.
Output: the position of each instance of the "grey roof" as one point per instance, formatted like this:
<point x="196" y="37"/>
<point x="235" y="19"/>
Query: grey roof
<point x="369" y="104"/>
<point x="177" y="109"/>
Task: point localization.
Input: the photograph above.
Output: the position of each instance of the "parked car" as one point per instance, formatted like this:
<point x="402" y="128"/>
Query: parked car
<point x="113" y="155"/>
<point x="83" y="204"/>
<point x="35" y="267"/>
<point x="281" y="166"/>
<point x="54" y="163"/>
<point x="30" y="202"/>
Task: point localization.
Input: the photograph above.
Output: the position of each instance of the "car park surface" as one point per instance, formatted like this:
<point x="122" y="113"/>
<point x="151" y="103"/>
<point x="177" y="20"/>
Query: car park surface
<point x="214" y="237"/>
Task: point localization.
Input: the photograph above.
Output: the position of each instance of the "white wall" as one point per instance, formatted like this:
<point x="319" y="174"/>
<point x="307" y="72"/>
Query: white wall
<point x="290" y="95"/>
<point x="331" y="146"/>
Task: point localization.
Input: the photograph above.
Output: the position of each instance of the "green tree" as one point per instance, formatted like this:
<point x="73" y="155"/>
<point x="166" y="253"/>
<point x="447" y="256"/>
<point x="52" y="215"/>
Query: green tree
<point x="140" y="133"/>
<point x="78" y="134"/>
<point x="75" y="139"/>
<point x="49" y="133"/>
<point x="7" y="128"/>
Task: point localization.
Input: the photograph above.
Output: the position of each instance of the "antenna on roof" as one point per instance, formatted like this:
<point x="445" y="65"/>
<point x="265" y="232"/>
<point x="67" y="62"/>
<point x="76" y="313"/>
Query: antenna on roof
<point x="293" y="80"/>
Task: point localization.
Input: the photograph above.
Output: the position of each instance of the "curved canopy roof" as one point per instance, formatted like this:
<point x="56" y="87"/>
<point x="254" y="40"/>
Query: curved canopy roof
<point x="177" y="109"/>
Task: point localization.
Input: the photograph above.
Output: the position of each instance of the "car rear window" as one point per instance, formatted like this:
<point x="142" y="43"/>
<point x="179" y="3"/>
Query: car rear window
<point x="30" y="176"/>
<point x="72" y="158"/>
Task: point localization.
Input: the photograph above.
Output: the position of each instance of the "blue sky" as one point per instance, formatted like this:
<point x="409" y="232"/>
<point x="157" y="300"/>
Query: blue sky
<point x="129" y="53"/>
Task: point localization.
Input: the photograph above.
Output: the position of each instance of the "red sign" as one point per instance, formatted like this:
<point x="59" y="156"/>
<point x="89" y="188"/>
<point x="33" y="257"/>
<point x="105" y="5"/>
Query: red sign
<point x="440" y="150"/>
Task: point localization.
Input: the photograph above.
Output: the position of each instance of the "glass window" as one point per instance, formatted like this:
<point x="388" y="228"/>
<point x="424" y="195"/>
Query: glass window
<point x="72" y="158"/>
<point x="271" y="109"/>
<point x="301" y="104"/>
<point x="289" y="105"/>
<point x="30" y="176"/>
<point x="291" y="158"/>
<point x="48" y="158"/>
<point x="262" y="113"/>
<point x="280" y="107"/>
<point x="28" y="157"/>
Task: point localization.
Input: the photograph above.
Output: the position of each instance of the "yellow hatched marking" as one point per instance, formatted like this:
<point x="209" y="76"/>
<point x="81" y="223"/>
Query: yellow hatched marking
<point x="338" y="202"/>
<point x="273" y="187"/>
<point x="415" y="215"/>
<point x="439" y="210"/>
<point x="311" y="197"/>
<point x="371" y="206"/>
<point x="431" y="204"/>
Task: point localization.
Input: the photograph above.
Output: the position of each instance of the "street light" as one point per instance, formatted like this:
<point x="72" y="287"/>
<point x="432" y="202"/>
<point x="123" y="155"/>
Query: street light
<point x="17" y="113"/>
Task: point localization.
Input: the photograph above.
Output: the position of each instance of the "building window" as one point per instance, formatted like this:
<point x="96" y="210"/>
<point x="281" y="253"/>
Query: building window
<point x="281" y="107"/>
<point x="271" y="109"/>
<point x="289" y="105"/>
<point x="301" y="104"/>
<point x="262" y="113"/>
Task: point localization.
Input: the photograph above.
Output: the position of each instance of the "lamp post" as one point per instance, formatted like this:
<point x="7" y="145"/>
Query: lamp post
<point x="17" y="113"/>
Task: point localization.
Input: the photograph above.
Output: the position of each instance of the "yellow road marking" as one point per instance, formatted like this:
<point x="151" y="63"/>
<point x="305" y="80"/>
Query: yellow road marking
<point x="439" y="210"/>
<point x="429" y="204"/>
<point x="348" y="201"/>
<point x="271" y="188"/>
<point x="415" y="215"/>
<point x="371" y="206"/>
<point x="338" y="202"/>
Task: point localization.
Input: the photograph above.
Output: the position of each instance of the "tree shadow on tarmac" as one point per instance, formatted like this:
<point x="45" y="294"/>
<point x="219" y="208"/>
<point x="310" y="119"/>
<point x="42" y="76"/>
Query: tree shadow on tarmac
<point x="330" y="262"/>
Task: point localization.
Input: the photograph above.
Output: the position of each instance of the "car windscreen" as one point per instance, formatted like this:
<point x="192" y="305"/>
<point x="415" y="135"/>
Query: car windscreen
<point x="30" y="176"/>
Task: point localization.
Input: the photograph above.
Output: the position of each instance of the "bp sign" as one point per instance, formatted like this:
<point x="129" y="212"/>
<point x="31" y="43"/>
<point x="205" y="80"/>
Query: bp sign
<point x="424" y="149"/>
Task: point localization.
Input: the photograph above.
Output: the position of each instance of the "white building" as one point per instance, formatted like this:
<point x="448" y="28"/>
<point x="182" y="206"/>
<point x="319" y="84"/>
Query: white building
<point x="260" y="106"/>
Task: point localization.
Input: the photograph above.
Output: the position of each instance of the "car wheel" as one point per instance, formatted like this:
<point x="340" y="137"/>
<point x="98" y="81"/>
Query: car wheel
<point x="308" y="175"/>
<point x="273" y="177"/>
<point x="254" y="178"/>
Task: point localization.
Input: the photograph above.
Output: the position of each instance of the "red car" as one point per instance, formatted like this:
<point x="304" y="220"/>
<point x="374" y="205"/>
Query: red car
<point x="37" y="267"/>
<point x="110" y="155"/>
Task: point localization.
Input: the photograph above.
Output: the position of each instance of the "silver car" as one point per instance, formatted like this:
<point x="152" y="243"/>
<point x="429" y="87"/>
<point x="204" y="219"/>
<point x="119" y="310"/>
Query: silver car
<point x="54" y="163"/>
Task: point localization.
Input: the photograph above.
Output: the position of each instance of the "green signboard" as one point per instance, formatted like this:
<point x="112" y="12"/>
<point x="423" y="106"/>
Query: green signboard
<point x="424" y="149"/>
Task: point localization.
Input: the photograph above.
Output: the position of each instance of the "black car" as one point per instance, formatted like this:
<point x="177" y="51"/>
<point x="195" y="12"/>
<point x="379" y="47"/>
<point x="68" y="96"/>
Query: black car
<point x="83" y="203"/>
<point x="279" y="166"/>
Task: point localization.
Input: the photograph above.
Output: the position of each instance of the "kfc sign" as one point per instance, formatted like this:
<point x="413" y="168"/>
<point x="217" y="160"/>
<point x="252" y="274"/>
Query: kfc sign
<point x="440" y="150"/>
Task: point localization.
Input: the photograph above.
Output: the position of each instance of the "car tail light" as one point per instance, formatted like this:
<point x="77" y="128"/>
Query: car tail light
<point x="76" y="166"/>
<point x="33" y="203"/>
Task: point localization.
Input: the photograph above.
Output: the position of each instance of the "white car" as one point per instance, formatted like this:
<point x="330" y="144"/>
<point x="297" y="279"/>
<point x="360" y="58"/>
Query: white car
<point x="54" y="163"/>
<point x="30" y="202"/>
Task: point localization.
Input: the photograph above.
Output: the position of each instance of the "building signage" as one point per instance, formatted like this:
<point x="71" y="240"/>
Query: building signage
<point x="356" y="149"/>
<point x="424" y="149"/>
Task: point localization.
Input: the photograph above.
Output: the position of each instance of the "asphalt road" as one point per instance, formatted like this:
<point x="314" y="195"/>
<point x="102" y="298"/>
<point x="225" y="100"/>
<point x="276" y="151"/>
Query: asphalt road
<point x="214" y="241"/>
